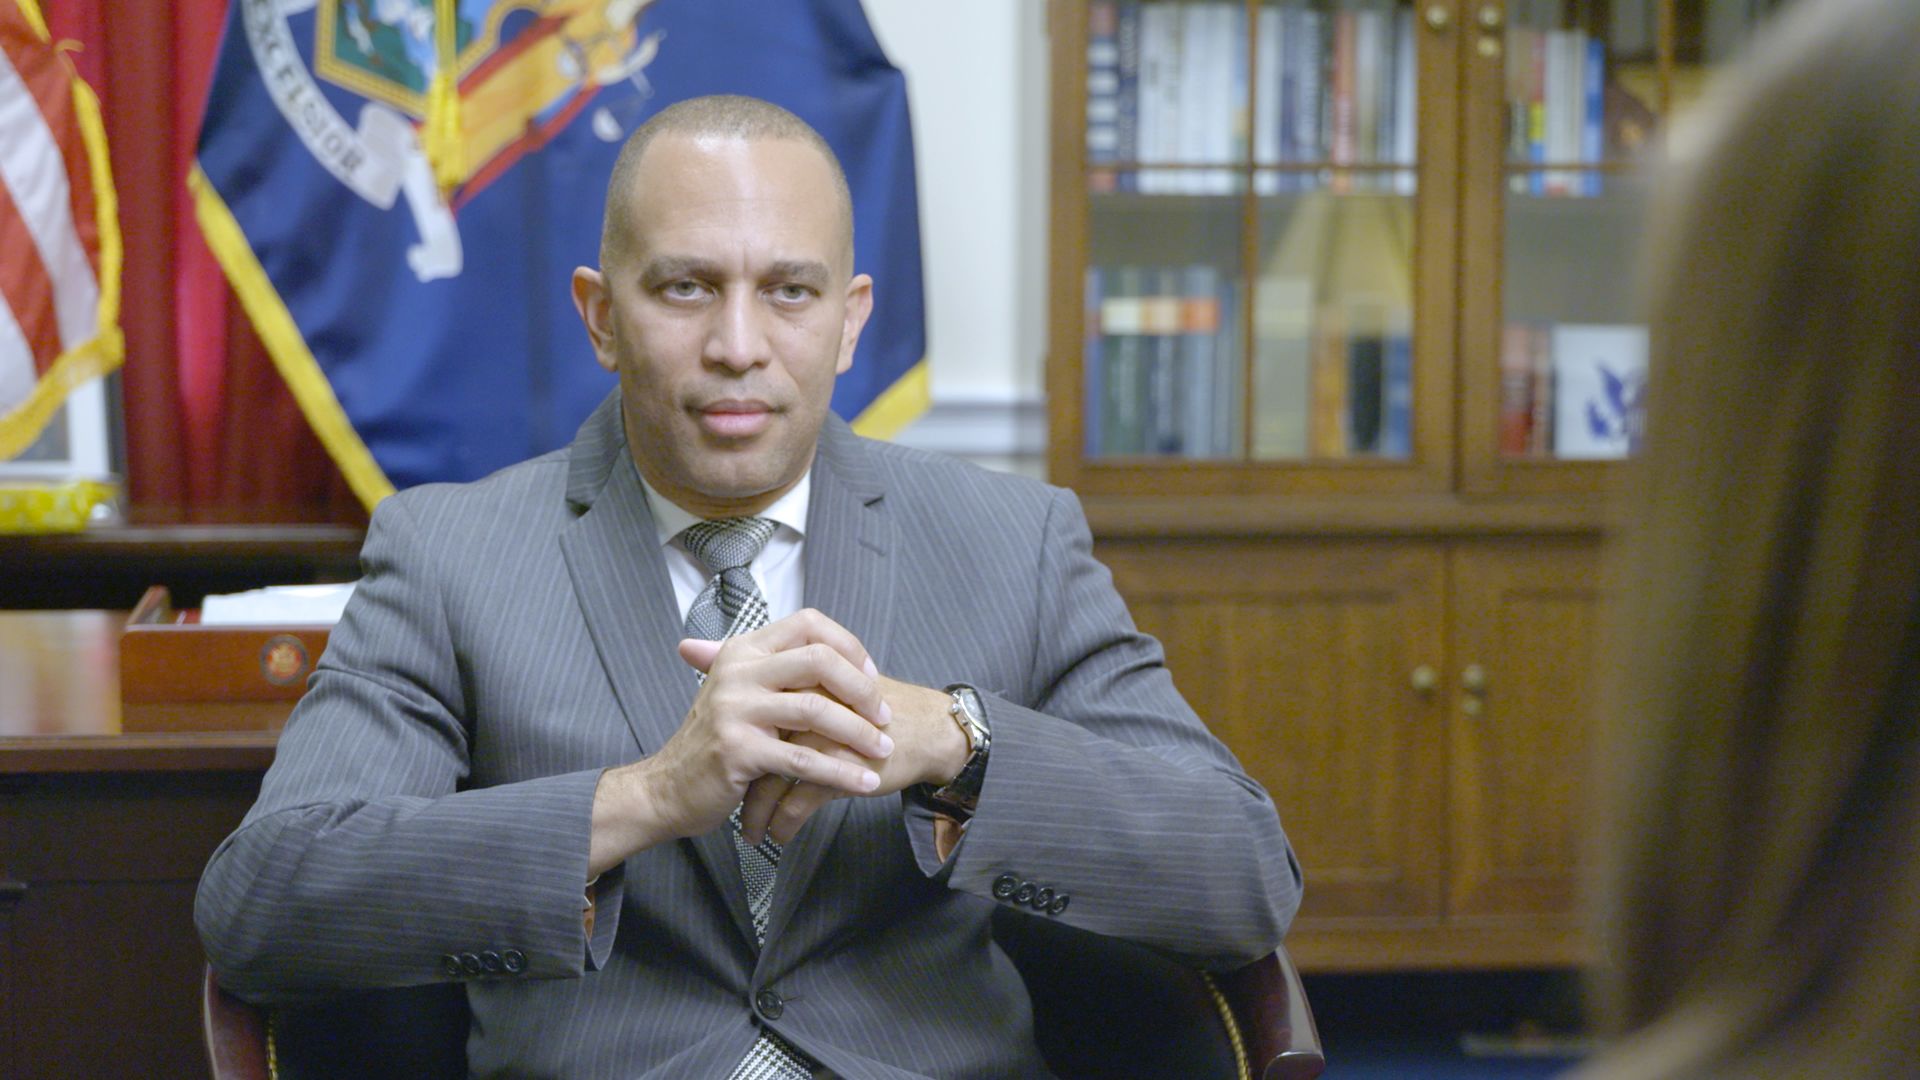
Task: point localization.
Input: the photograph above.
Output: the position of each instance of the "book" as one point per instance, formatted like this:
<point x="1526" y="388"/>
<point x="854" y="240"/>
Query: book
<point x="1199" y="361"/>
<point x="1229" y="415"/>
<point x="1266" y="75"/>
<point x="1600" y="381"/>
<point x="1516" y="390"/>
<point x="1366" y="362"/>
<point x="1283" y="350"/>
<point x="1160" y="315"/>
<point x="1092" y="369"/>
<point x="1593" y="130"/>
<point x="1122" y="393"/>
<point x="1327" y="407"/>
<point x="1396" y="394"/>
<point x="1406" y="109"/>
<point x="1103" y="94"/>
<point x="1127" y="95"/>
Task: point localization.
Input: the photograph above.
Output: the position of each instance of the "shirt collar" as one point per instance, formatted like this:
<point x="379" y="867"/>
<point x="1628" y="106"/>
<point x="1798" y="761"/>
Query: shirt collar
<point x="790" y="510"/>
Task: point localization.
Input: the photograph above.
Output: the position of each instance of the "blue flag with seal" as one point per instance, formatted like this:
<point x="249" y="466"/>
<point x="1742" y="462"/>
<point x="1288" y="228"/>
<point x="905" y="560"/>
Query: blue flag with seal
<point x="398" y="192"/>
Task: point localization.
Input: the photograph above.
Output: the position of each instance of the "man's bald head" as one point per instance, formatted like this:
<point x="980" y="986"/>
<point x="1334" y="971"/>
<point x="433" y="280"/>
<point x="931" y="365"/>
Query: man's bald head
<point x="717" y="116"/>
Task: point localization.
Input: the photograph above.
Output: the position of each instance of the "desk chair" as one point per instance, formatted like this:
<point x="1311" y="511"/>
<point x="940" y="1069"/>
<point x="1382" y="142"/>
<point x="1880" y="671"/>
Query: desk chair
<point x="1103" y="1009"/>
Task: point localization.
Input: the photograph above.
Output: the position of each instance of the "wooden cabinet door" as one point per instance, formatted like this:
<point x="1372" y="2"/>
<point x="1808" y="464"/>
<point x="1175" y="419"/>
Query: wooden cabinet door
<point x="1524" y="635"/>
<point x="1299" y="654"/>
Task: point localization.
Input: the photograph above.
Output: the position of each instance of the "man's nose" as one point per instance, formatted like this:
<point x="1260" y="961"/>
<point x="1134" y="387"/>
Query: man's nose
<point x="737" y="338"/>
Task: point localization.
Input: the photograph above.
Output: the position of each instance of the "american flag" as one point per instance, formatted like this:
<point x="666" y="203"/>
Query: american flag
<point x="59" y="235"/>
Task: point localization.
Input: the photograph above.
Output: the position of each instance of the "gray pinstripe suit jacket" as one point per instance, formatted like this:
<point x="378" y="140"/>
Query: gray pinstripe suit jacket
<point x="514" y="637"/>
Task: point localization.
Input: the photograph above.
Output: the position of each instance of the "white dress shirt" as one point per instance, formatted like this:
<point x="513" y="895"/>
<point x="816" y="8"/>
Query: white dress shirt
<point x="776" y="569"/>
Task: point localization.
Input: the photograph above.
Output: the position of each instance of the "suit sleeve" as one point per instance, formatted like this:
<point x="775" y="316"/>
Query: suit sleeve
<point x="365" y="863"/>
<point x="1104" y="787"/>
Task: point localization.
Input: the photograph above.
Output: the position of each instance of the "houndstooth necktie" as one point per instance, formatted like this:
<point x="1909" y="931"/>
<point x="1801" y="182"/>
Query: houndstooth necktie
<point x="732" y="604"/>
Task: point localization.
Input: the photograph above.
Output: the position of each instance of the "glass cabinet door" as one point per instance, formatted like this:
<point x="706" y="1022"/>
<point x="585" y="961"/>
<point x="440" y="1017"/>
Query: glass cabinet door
<point x="1568" y="105"/>
<point x="1258" y="270"/>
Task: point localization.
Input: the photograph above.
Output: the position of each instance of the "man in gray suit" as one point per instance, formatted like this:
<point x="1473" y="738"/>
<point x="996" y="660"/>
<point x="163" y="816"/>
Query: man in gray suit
<point x="578" y="743"/>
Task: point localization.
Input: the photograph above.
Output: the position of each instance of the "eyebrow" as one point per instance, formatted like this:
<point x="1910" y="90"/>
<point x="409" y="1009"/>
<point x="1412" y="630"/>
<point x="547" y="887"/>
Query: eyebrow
<point x="663" y="268"/>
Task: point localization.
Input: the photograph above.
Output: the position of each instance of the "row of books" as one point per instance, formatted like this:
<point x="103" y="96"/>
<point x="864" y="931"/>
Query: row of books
<point x="1164" y="375"/>
<point x="1556" y="109"/>
<point x="1572" y="390"/>
<point x="1168" y="83"/>
<point x="1163" y="362"/>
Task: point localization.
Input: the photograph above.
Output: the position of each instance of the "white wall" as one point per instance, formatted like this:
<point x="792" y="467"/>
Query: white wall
<point x="977" y="86"/>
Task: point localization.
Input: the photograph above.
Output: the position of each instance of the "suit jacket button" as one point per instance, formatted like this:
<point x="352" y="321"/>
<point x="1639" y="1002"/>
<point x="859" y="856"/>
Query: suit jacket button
<point x="769" y="1005"/>
<point x="491" y="961"/>
<point x="1042" y="898"/>
<point x="1004" y="886"/>
<point x="470" y="963"/>
<point x="450" y="966"/>
<point x="514" y="961"/>
<point x="1024" y="893"/>
<point x="1059" y="904"/>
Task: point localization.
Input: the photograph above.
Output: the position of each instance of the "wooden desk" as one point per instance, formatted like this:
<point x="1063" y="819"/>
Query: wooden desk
<point x="102" y="839"/>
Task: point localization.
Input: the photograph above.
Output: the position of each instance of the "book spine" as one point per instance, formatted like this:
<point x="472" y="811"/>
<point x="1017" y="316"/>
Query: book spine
<point x="1540" y="349"/>
<point x="1127" y="94"/>
<point x="1327" y="415"/>
<point x="1164" y="385"/>
<point x="1092" y="369"/>
<point x="1406" y="75"/>
<point x="1151" y="96"/>
<point x="1311" y="71"/>
<point x="1229" y="421"/>
<point x="1537" y="109"/>
<point x="1516" y="390"/>
<point x="1266" y="98"/>
<point x="1197" y="116"/>
<point x="1121" y="318"/>
<point x="1593" y="131"/>
<point x="1199" y="338"/>
<point x="1396" y="396"/>
<point x="1341" y="121"/>
<point x="1283" y="361"/>
<point x="1103" y="94"/>
<point x="1235" y="87"/>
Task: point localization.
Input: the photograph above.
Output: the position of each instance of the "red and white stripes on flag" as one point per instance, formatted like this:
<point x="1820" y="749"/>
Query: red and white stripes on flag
<point x="59" y="233"/>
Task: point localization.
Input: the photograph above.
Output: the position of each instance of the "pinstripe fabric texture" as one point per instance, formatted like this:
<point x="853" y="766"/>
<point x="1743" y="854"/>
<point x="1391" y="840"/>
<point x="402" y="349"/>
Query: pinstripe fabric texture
<point x="512" y="638"/>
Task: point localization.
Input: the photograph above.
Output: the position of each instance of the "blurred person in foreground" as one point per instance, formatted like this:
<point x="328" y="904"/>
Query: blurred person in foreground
<point x="1759" y="893"/>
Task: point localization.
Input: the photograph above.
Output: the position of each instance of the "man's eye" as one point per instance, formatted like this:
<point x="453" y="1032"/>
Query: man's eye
<point x="792" y="294"/>
<point x="682" y="290"/>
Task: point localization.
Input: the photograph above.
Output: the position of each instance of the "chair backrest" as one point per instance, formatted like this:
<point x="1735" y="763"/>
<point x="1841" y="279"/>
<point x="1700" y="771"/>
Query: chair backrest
<point x="413" y="1033"/>
<point x="1109" y="1008"/>
<point x="1102" y="1008"/>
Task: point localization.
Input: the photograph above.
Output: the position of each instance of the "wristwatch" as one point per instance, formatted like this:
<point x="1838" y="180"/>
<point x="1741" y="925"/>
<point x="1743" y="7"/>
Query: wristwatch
<point x="961" y="795"/>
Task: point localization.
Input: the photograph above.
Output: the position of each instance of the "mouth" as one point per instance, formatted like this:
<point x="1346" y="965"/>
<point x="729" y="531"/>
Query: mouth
<point x="734" y="418"/>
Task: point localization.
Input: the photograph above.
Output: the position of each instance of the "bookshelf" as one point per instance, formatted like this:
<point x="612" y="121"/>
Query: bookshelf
<point x="1343" y="356"/>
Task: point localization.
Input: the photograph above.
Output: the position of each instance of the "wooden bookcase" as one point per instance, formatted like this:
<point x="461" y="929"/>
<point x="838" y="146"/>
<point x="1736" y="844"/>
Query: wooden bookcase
<point x="1337" y="289"/>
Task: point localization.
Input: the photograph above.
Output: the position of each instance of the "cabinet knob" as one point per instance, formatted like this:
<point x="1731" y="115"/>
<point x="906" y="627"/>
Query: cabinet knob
<point x="1439" y="17"/>
<point x="1471" y="706"/>
<point x="1473" y="678"/>
<point x="1424" y="679"/>
<point x="1491" y="17"/>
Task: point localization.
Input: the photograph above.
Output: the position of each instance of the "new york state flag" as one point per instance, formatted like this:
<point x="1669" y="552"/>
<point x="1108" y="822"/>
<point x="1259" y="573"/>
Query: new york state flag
<point x="399" y="189"/>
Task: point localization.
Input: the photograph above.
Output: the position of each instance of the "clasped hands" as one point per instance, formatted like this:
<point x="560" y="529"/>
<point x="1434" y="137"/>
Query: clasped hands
<point x="791" y="716"/>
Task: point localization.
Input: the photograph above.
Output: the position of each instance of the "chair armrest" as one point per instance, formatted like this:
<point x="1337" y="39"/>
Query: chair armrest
<point x="235" y="1032"/>
<point x="1270" y="1004"/>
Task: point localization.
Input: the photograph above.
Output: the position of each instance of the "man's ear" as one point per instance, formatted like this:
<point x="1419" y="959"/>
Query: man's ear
<point x="859" y="306"/>
<point x="595" y="305"/>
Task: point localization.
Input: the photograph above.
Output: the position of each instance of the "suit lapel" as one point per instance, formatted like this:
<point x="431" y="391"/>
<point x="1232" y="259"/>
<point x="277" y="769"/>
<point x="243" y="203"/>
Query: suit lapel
<point x="620" y="580"/>
<point x="849" y="578"/>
